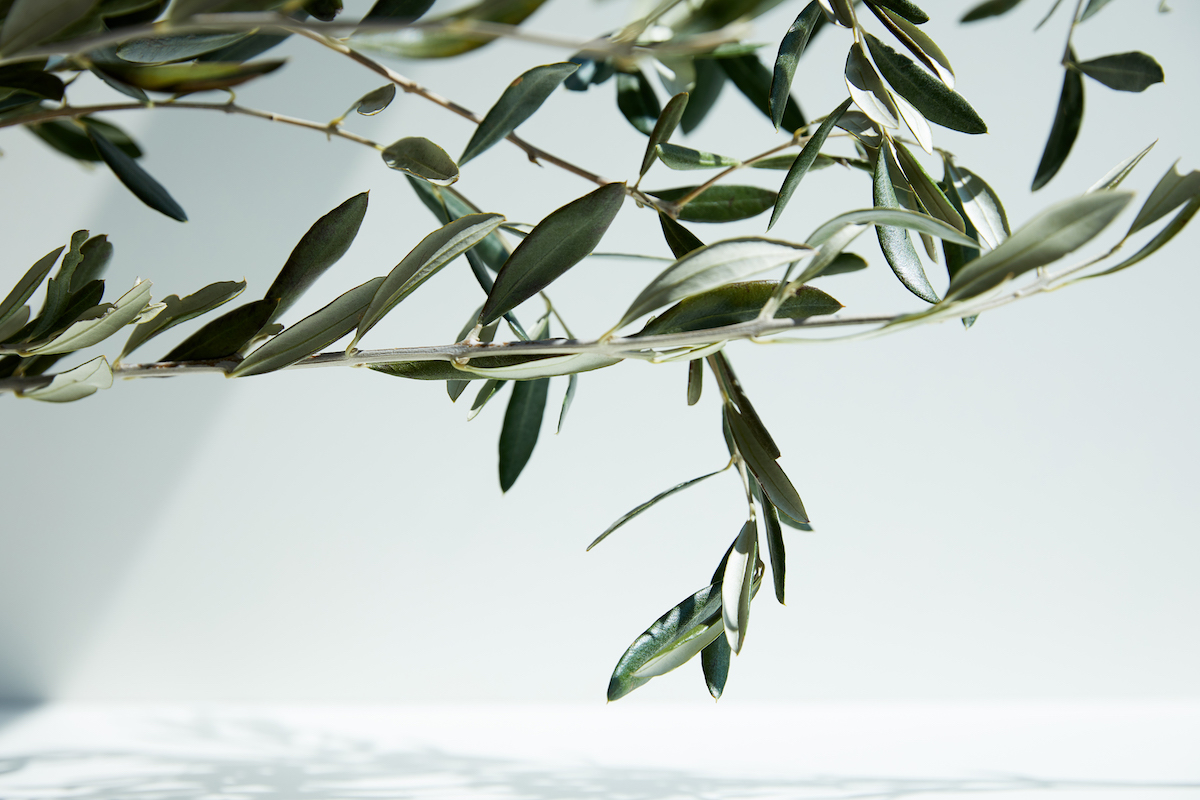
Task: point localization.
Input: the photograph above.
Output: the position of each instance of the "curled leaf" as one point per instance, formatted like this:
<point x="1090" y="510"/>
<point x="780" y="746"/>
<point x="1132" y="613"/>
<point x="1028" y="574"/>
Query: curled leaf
<point x="423" y="159"/>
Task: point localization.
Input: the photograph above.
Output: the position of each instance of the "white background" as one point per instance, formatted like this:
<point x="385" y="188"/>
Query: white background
<point x="1003" y="513"/>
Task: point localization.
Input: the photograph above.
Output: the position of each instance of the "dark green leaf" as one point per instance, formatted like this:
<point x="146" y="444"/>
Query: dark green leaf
<point x="790" y="49"/>
<point x="522" y="423"/>
<point x="720" y="203"/>
<point x="679" y="239"/>
<point x="96" y="254"/>
<point x="424" y="261"/>
<point x="774" y="536"/>
<point x="1125" y="72"/>
<point x="1052" y="234"/>
<point x="695" y="382"/>
<point x="628" y="515"/>
<point x="448" y="205"/>
<point x="904" y="8"/>
<point x="178" y="47"/>
<point x="933" y="200"/>
<point x="1092" y="7"/>
<point x="324" y="10"/>
<point x="1067" y="120"/>
<point x="928" y="95"/>
<point x="32" y="21"/>
<point x="804" y="161"/>
<point x="181" y="310"/>
<point x="637" y="101"/>
<point x="397" y="10"/>
<point x="754" y="80"/>
<point x="895" y="242"/>
<point x="1172" y="191"/>
<point x="735" y="303"/>
<point x="923" y="48"/>
<point x="715" y="661"/>
<point x="674" y="637"/>
<point x="520" y="100"/>
<point x="70" y="137"/>
<point x="376" y="100"/>
<point x="23" y="77"/>
<point x="136" y="179"/>
<point x="773" y="479"/>
<point x="990" y="8"/>
<point x="225" y="335"/>
<point x="28" y="284"/>
<point x="312" y="334"/>
<point x="319" y="249"/>
<point x="93" y="324"/>
<point x="445" y="371"/>
<point x="845" y="262"/>
<point x="421" y="158"/>
<point x="710" y="79"/>
<point x="58" y="290"/>
<point x="199" y="76"/>
<point x="559" y="242"/>
<point x="731" y="389"/>
<point x="667" y="122"/>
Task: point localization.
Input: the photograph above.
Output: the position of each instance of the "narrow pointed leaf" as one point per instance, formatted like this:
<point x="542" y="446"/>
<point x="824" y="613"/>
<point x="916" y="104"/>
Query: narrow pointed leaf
<point x="397" y="10"/>
<point x="485" y="394"/>
<point x="627" y="516"/>
<point x="1092" y="7"/>
<point x="1172" y="191"/>
<point x="225" y="335"/>
<point x="1067" y="120"/>
<point x="28" y="284"/>
<point x="754" y="80"/>
<point x="199" y="76"/>
<point x="559" y="242"/>
<point x="732" y="389"/>
<point x="136" y="179"/>
<point x="86" y="333"/>
<point x="1168" y="233"/>
<point x="715" y="660"/>
<point x="922" y="223"/>
<point x="1114" y="177"/>
<point x="980" y="204"/>
<point x="774" y="535"/>
<point x="423" y="159"/>
<point x="735" y="303"/>
<point x="804" y="161"/>
<point x="679" y="239"/>
<point x="895" y="242"/>
<point x="568" y="398"/>
<point x="75" y="384"/>
<point x="736" y="585"/>
<point x="180" y="310"/>
<point x="720" y="203"/>
<point x="1052" y="234"/>
<point x="667" y="122"/>
<point x="312" y="334"/>
<point x="1125" y="72"/>
<point x="25" y="78"/>
<point x="989" y="8"/>
<point x="930" y="96"/>
<point x="32" y="21"/>
<point x="320" y="248"/>
<point x="710" y="267"/>
<point x="58" y="289"/>
<point x="917" y="42"/>
<point x="868" y="91"/>
<point x="520" y="100"/>
<point x="13" y="323"/>
<point x="790" y="50"/>
<point x="685" y="158"/>
<point x="175" y="47"/>
<point x="532" y="367"/>
<point x="769" y="474"/>
<point x="71" y="139"/>
<point x="931" y="196"/>
<point x="522" y="423"/>
<point x="448" y="205"/>
<point x="829" y="260"/>
<point x="710" y="79"/>
<point x="424" y="261"/>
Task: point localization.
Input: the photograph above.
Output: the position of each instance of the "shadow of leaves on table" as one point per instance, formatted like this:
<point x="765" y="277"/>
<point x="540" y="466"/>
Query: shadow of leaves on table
<point x="269" y="761"/>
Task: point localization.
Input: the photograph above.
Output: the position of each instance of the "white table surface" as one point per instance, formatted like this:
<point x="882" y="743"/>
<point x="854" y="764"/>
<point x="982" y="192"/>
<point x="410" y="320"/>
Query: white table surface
<point x="1063" y="751"/>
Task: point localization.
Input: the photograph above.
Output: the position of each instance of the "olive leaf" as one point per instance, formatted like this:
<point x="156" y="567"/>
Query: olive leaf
<point x="735" y="303"/>
<point x="32" y="21"/>
<point x="28" y="284"/>
<point x="1172" y="191"/>
<point x="803" y="163"/>
<point x="868" y="91"/>
<point x="628" y="515"/>
<point x="666" y="124"/>
<point x="522" y="423"/>
<point x="1125" y="72"/>
<point x="75" y="384"/>
<point x="768" y="473"/>
<point x="679" y="239"/>
<point x="557" y="243"/>
<point x="136" y="179"/>
<point x="421" y="158"/>
<point x="737" y="584"/>
<point x="989" y="8"/>
<point x="790" y="50"/>
<point x="755" y="81"/>
<point x="225" y="335"/>
<point x="773" y="532"/>
<point x="637" y="102"/>
<point x="520" y="100"/>
<point x="1063" y="133"/>
<point x="177" y="310"/>
<point x="87" y="332"/>
<point x="685" y="158"/>
<point x="720" y="203"/>
<point x="937" y="102"/>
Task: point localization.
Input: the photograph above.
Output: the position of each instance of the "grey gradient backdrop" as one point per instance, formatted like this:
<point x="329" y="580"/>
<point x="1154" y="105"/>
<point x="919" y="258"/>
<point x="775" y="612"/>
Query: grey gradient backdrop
<point x="1006" y="512"/>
